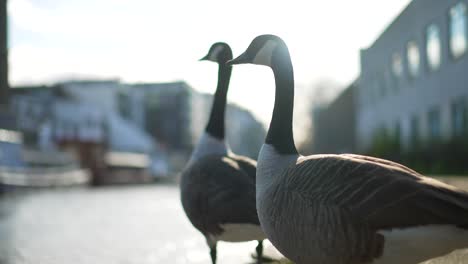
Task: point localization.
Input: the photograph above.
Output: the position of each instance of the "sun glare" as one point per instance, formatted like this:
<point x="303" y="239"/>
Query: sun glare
<point x="155" y="41"/>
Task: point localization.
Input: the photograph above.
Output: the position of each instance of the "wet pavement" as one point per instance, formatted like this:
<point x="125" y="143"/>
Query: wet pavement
<point x="140" y="224"/>
<point x="122" y="225"/>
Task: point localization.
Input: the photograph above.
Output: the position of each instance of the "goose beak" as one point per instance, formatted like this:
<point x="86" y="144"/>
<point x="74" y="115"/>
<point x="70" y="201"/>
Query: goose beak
<point x="241" y="59"/>
<point x="204" y="58"/>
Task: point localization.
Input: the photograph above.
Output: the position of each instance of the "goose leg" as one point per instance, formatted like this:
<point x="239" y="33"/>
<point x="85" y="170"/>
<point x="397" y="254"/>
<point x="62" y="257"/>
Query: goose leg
<point x="259" y="250"/>
<point x="213" y="253"/>
<point x="260" y="258"/>
<point x="212" y="242"/>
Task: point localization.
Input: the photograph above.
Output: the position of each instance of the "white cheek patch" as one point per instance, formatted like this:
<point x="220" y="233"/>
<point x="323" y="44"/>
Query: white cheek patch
<point x="263" y="56"/>
<point x="214" y="54"/>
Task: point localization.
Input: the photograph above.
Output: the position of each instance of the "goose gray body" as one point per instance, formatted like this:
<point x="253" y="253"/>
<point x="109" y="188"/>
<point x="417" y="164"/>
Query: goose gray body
<point x="217" y="186"/>
<point x="219" y="191"/>
<point x="353" y="209"/>
<point x="346" y="209"/>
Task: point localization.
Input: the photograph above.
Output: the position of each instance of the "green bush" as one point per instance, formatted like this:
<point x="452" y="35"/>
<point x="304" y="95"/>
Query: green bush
<point x="385" y="145"/>
<point x="428" y="157"/>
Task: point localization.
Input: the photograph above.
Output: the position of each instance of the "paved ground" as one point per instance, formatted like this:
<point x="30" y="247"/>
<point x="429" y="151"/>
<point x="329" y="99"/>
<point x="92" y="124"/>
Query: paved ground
<point x="142" y="224"/>
<point x="139" y="224"/>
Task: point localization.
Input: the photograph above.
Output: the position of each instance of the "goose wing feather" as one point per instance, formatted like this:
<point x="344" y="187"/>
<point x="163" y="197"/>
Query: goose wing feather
<point x="217" y="190"/>
<point x="380" y="193"/>
<point x="247" y="164"/>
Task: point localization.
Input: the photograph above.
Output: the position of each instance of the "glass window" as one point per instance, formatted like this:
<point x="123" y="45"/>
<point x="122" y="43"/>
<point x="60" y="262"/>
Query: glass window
<point x="412" y="52"/>
<point x="434" y="123"/>
<point x="459" y="117"/>
<point x="458" y="30"/>
<point x="397" y="65"/>
<point x="433" y="46"/>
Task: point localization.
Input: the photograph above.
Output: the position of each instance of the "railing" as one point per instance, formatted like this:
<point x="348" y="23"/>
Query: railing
<point x="44" y="177"/>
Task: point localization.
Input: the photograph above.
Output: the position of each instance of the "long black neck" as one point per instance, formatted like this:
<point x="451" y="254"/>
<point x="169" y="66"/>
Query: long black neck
<point x="215" y="126"/>
<point x="280" y="133"/>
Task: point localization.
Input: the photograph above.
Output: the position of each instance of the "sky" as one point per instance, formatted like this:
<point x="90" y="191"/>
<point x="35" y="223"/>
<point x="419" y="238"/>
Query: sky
<point x="159" y="41"/>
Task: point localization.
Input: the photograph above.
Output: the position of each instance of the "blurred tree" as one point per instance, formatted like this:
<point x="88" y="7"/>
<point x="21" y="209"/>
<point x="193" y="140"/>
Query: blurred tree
<point x="431" y="157"/>
<point x="386" y="145"/>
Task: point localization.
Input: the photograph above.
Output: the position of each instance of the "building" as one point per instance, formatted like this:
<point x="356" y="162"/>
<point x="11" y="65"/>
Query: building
<point x="6" y="117"/>
<point x="10" y="149"/>
<point x="244" y="133"/>
<point x="64" y="113"/>
<point x="161" y="109"/>
<point x="101" y="93"/>
<point x="176" y="115"/>
<point x="414" y="81"/>
<point x="335" y="124"/>
<point x="81" y="117"/>
<point x="3" y="53"/>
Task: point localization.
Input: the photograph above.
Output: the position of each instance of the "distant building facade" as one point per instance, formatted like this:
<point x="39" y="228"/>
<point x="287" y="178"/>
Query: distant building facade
<point x="335" y="124"/>
<point x="176" y="115"/>
<point x="3" y="53"/>
<point x="6" y="117"/>
<point x="81" y="117"/>
<point x="414" y="77"/>
<point x="161" y="120"/>
<point x="244" y="133"/>
<point x="75" y="111"/>
<point x="10" y="149"/>
<point x="161" y="109"/>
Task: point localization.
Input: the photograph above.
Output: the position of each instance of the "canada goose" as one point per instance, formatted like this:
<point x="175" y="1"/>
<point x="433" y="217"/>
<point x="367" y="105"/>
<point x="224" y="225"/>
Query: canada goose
<point x="345" y="209"/>
<point x="217" y="186"/>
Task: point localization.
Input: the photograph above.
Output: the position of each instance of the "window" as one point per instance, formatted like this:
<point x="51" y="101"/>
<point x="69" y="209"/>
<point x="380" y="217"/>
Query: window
<point x="433" y="47"/>
<point x="412" y="53"/>
<point x="397" y="65"/>
<point x="458" y="30"/>
<point x="459" y="117"/>
<point x="434" y="123"/>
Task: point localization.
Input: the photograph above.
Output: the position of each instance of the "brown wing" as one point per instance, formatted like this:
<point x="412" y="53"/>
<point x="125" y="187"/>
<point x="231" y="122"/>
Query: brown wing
<point x="383" y="194"/>
<point x="382" y="161"/>
<point x="216" y="190"/>
<point x="247" y="164"/>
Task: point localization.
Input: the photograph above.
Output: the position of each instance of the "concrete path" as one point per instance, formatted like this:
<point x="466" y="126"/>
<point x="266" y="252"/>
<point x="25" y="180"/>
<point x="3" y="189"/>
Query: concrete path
<point x="121" y="225"/>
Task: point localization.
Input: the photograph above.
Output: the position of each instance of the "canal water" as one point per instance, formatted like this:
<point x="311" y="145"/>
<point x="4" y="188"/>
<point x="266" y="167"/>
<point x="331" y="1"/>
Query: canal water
<point x="118" y="225"/>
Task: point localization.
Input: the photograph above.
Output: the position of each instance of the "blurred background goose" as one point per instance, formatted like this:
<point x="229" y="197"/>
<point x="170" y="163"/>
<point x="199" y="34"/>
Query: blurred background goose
<point x="217" y="186"/>
<point x="345" y="209"/>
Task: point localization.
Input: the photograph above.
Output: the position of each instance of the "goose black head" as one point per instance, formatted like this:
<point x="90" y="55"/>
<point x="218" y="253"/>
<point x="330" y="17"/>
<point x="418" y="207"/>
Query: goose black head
<point x="219" y="52"/>
<point x="263" y="50"/>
